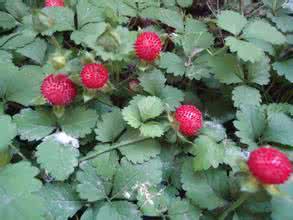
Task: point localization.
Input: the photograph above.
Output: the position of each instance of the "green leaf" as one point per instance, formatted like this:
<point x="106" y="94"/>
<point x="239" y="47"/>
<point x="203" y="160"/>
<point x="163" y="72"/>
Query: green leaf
<point x="92" y="187"/>
<point x="183" y="209"/>
<point x="226" y="68"/>
<point x="5" y="58"/>
<point x="141" y="151"/>
<point x="105" y="131"/>
<point x="284" y="68"/>
<point x="153" y="82"/>
<point x="173" y="63"/>
<point x="150" y="107"/>
<point x="184" y="3"/>
<point x="194" y="41"/>
<point x="262" y="30"/>
<point x="78" y="122"/>
<point x="259" y="72"/>
<point x="18" y="39"/>
<point x="198" y="188"/>
<point x="8" y="131"/>
<point x="274" y="4"/>
<point x="17" y="8"/>
<point x="131" y="177"/>
<point x="61" y="201"/>
<point x="7" y="21"/>
<point x="283" y="22"/>
<point x="265" y="46"/>
<point x="245" y="95"/>
<point x="282" y="204"/>
<point x="231" y="21"/>
<point x="208" y="153"/>
<point x="34" y="125"/>
<point x="88" y="13"/>
<point x="35" y="51"/>
<point x="245" y="50"/>
<point x="279" y="129"/>
<point x="17" y="185"/>
<point x="250" y="124"/>
<point x="58" y="159"/>
<point x="172" y="97"/>
<point x="121" y="210"/>
<point x="194" y="26"/>
<point x="152" y="129"/>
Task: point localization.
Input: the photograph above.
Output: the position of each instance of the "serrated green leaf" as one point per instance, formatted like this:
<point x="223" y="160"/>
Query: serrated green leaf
<point x="245" y="95"/>
<point x="105" y="131"/>
<point x="58" y="159"/>
<point x="7" y="21"/>
<point x="198" y="189"/>
<point x="153" y="82"/>
<point x="195" y="41"/>
<point x="17" y="8"/>
<point x="208" y="153"/>
<point x="284" y="68"/>
<point x="18" y="39"/>
<point x="132" y="116"/>
<point x="152" y="129"/>
<point x="8" y="131"/>
<point x="172" y="63"/>
<point x="231" y="21"/>
<point x="259" y="72"/>
<point x="172" y="97"/>
<point x="17" y="185"/>
<point x="262" y="30"/>
<point x="78" y="122"/>
<point x="61" y="201"/>
<point x="150" y="107"/>
<point x="283" y="22"/>
<point x="245" y="50"/>
<point x="88" y="13"/>
<point x="92" y="187"/>
<point x="279" y="129"/>
<point x="130" y="177"/>
<point x="183" y="209"/>
<point x="141" y="151"/>
<point x="194" y="26"/>
<point x="34" y="125"/>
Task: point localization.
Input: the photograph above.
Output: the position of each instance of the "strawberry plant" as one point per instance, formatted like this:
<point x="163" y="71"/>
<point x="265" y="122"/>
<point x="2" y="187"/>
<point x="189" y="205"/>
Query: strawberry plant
<point x="146" y="109"/>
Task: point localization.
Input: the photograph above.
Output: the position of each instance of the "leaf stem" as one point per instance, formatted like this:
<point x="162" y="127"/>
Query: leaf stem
<point x="113" y="147"/>
<point x="234" y="206"/>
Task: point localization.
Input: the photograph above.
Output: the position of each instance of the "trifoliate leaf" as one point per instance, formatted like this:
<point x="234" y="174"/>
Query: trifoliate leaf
<point x="132" y="116"/>
<point x="150" y="107"/>
<point x="208" y="153"/>
<point x="58" y="159"/>
<point x="284" y="68"/>
<point x="245" y="50"/>
<point x="141" y="151"/>
<point x="88" y="13"/>
<point x="279" y="129"/>
<point x="121" y="210"/>
<point x="17" y="185"/>
<point x="8" y="131"/>
<point x="35" y="51"/>
<point x="198" y="188"/>
<point x="61" y="201"/>
<point x="183" y="209"/>
<point x="92" y="187"/>
<point x="173" y="63"/>
<point x="231" y="21"/>
<point x="259" y="72"/>
<point x="194" y="41"/>
<point x="262" y="30"/>
<point x="131" y="177"/>
<point x="105" y="131"/>
<point x="226" y="68"/>
<point x="245" y="95"/>
<point x="34" y="125"/>
<point x="172" y="97"/>
<point x="7" y="21"/>
<point x="153" y="82"/>
<point x="250" y="124"/>
<point x="78" y="121"/>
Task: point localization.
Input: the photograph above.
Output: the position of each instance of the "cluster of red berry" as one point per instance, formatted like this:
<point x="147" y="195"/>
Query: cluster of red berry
<point x="268" y="165"/>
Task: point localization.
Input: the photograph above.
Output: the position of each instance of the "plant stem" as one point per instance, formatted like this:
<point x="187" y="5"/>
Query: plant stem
<point x="113" y="147"/>
<point x="234" y="206"/>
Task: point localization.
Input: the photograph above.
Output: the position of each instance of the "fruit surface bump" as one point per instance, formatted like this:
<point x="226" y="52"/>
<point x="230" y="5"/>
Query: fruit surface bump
<point x="94" y="76"/>
<point x="54" y="3"/>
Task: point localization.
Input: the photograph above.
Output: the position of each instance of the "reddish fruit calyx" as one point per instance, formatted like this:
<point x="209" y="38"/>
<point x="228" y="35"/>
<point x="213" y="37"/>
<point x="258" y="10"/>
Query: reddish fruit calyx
<point x="94" y="76"/>
<point x="58" y="89"/>
<point x="189" y="119"/>
<point x="54" y="3"/>
<point x="269" y="165"/>
<point x="148" y="46"/>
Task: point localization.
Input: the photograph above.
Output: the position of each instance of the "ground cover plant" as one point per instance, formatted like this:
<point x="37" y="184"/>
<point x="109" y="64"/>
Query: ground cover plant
<point x="146" y="109"/>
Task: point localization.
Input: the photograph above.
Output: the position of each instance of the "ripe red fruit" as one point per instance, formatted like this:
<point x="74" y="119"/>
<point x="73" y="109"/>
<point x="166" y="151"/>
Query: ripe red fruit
<point x="58" y="89"/>
<point x="269" y="165"/>
<point x="54" y="3"/>
<point x="148" y="46"/>
<point x="94" y="76"/>
<point x="189" y="119"/>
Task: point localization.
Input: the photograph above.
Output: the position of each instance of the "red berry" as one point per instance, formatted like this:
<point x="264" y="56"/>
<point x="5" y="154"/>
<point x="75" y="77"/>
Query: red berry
<point x="148" y="46"/>
<point x="94" y="76"/>
<point x="269" y="165"/>
<point x="189" y="119"/>
<point x="58" y="89"/>
<point x="54" y="3"/>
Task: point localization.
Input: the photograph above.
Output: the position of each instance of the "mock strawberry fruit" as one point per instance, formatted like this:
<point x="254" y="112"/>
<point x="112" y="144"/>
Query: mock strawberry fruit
<point x="269" y="165"/>
<point x="54" y="3"/>
<point x="189" y="119"/>
<point x="94" y="76"/>
<point x="148" y="46"/>
<point x="58" y="89"/>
